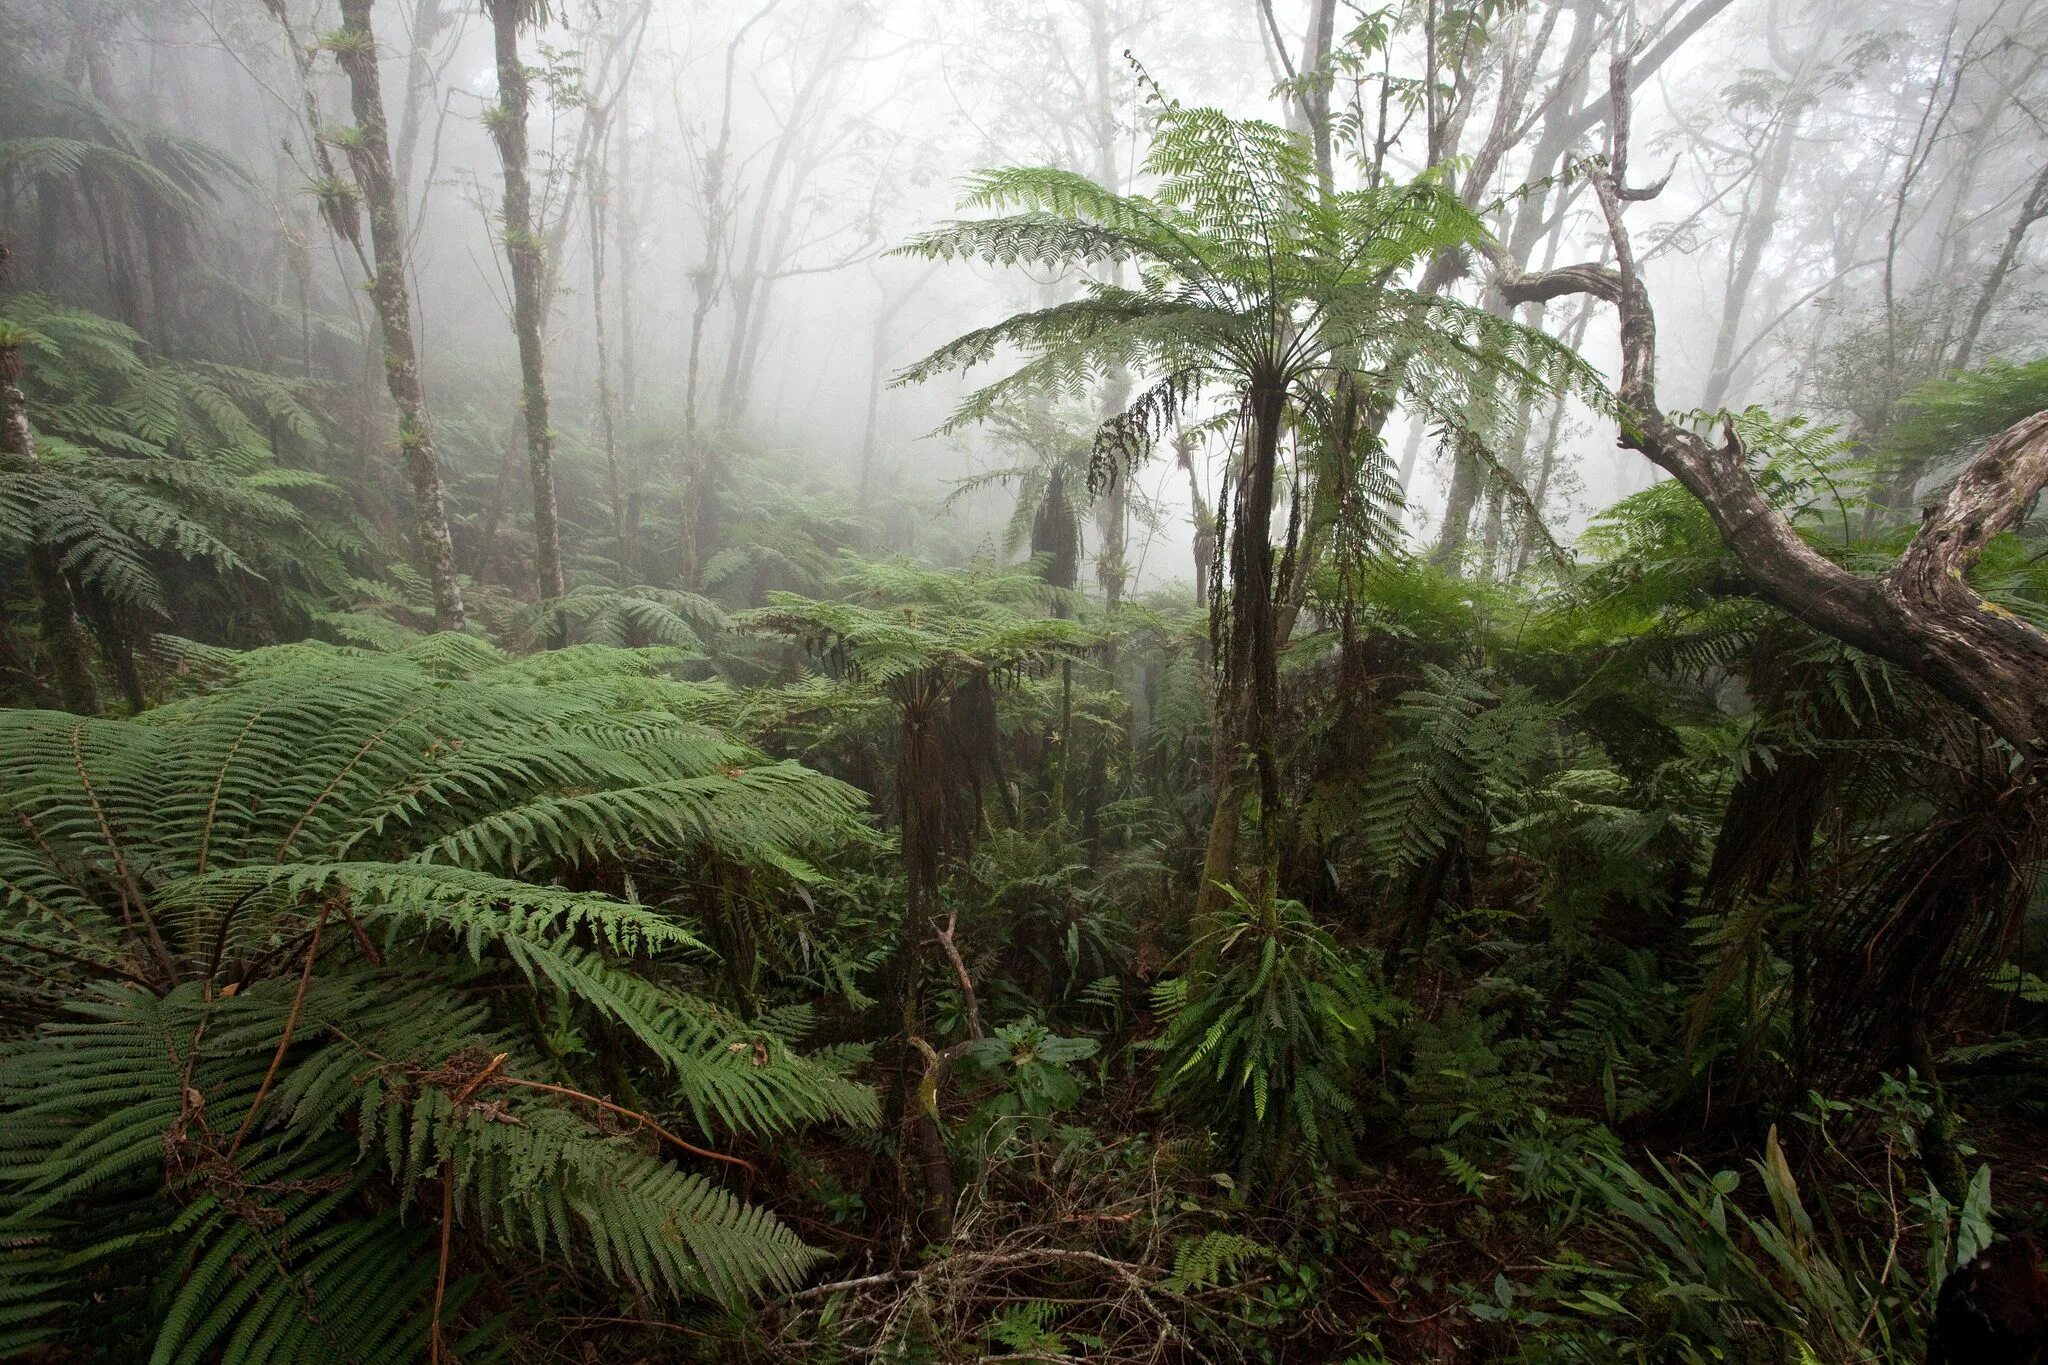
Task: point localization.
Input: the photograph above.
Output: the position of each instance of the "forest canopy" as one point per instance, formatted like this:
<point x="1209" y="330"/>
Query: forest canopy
<point x="1102" y="680"/>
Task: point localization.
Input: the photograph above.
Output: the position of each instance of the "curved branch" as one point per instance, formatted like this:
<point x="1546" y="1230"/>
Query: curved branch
<point x="1922" y="616"/>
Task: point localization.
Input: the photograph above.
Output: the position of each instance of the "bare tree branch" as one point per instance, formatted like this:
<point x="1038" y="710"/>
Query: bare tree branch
<point x="1922" y="615"/>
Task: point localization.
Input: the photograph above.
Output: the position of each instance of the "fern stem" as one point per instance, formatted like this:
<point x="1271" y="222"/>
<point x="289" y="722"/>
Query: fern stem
<point x="131" y="890"/>
<point x="634" y="1114"/>
<point x="441" y="1273"/>
<point x="291" y="1025"/>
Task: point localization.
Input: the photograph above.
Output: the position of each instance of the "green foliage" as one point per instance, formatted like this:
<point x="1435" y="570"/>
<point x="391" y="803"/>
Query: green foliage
<point x="1944" y="420"/>
<point x="1463" y="767"/>
<point x="157" y="486"/>
<point x="61" y="141"/>
<point x="311" y="935"/>
<point x="1695" y="1276"/>
<point x="1034" y="1069"/>
<point x="1250" y="276"/>
<point x="544" y="988"/>
<point x="1267" y="1039"/>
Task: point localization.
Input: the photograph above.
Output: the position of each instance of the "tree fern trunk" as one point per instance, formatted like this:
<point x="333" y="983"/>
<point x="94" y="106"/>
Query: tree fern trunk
<point x="1249" y="704"/>
<point x="369" y="156"/>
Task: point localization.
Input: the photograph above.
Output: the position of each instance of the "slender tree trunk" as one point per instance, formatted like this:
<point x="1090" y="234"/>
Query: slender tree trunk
<point x="629" y="261"/>
<point x="1204" y="520"/>
<point x="523" y="255"/>
<point x="599" y="198"/>
<point x="877" y="362"/>
<point x="369" y="156"/>
<point x="64" y="638"/>
<point x="1468" y="478"/>
<point x="2032" y="211"/>
<point x="426" y="20"/>
<point x="1113" y="512"/>
<point x="1760" y="223"/>
<point x="1322" y="28"/>
<point x="1405" y="475"/>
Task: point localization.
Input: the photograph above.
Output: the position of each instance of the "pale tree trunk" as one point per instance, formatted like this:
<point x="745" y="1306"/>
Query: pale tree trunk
<point x="2032" y="211"/>
<point x="1494" y="522"/>
<point x="529" y="309"/>
<point x="629" y="261"/>
<point x="1539" y="492"/>
<point x="599" y="193"/>
<point x="1113" y="511"/>
<point x="1468" y="479"/>
<point x="1752" y="238"/>
<point x="1410" y="455"/>
<point x="1203" y="518"/>
<point x="1322" y="32"/>
<point x="870" y="425"/>
<point x="1921" y="615"/>
<point x="369" y="157"/>
<point x="427" y="19"/>
<point x="772" y="223"/>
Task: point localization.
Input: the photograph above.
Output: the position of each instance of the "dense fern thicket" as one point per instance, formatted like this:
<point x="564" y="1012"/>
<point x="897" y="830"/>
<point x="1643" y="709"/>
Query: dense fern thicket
<point x="824" y="934"/>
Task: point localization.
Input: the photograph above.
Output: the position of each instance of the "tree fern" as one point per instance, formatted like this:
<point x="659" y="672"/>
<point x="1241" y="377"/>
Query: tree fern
<point x="1465" y="759"/>
<point x="290" y="941"/>
<point x="156" y="486"/>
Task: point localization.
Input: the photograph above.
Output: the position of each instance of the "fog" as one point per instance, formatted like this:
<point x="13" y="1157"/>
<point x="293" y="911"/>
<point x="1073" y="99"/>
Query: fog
<point x="1840" y="181"/>
<point x="1132" y="681"/>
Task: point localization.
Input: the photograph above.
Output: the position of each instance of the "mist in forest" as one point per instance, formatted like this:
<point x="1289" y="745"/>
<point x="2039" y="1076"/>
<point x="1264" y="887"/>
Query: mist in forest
<point x="1134" y="681"/>
<point x="1846" y="192"/>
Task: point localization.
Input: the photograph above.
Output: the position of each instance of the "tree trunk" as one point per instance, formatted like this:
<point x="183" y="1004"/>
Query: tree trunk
<point x="1250" y="698"/>
<point x="1922" y="615"/>
<point x="629" y="260"/>
<point x="607" y="416"/>
<point x="1468" y="478"/>
<point x="877" y="364"/>
<point x="1315" y="54"/>
<point x="2032" y="211"/>
<point x="1204" y="520"/>
<point x="523" y="255"/>
<point x="369" y="156"/>
<point x="1113" y="512"/>
<point x="1752" y="239"/>
<point x="419" y="82"/>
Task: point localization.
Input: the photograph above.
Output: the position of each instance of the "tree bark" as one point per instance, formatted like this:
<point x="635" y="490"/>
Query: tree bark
<point x="369" y="157"/>
<point x="523" y="255"/>
<point x="1113" y="511"/>
<point x="1922" y="615"/>
<point x="629" y="259"/>
<point x="419" y="82"/>
<point x="1204" y="520"/>
<point x="1468" y="479"/>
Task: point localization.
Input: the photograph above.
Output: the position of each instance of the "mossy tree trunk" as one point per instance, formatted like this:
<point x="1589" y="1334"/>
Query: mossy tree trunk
<point x="523" y="256"/>
<point x="369" y="157"/>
